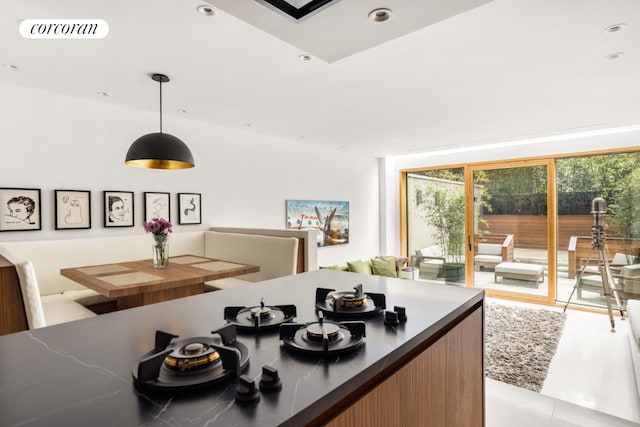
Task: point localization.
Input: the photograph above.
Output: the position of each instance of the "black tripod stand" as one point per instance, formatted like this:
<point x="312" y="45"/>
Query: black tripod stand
<point x="599" y="245"/>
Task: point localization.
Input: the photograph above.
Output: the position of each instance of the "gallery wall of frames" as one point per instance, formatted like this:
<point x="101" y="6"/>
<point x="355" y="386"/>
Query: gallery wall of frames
<point x="22" y="209"/>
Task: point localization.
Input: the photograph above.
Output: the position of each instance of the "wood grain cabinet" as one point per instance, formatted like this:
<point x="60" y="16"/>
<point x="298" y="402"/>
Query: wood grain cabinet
<point x="441" y="386"/>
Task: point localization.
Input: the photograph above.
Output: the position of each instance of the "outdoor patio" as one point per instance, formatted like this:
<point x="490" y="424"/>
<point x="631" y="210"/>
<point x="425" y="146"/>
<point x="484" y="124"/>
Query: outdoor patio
<point x="484" y="279"/>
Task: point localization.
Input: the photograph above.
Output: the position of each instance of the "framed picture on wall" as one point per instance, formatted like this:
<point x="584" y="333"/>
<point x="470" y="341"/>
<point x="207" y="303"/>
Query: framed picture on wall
<point x="157" y="205"/>
<point x="189" y="208"/>
<point x="118" y="208"/>
<point x="20" y="208"/>
<point x="330" y="219"/>
<point x="72" y="209"/>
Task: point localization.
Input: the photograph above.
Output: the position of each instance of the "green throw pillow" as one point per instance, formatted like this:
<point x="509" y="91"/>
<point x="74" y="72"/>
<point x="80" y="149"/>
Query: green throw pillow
<point x="363" y="267"/>
<point x="384" y="267"/>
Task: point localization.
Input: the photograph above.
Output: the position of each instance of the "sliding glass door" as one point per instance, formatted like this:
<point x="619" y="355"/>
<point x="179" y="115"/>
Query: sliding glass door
<point x="524" y="229"/>
<point x="615" y="178"/>
<point x="436" y="225"/>
<point x="511" y="229"/>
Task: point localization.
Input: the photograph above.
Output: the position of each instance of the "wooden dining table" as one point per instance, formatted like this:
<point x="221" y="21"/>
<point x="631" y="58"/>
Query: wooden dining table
<point x="137" y="283"/>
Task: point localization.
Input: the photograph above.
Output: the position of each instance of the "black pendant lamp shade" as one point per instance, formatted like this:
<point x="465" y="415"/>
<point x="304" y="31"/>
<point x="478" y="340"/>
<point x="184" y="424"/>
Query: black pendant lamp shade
<point x="159" y="150"/>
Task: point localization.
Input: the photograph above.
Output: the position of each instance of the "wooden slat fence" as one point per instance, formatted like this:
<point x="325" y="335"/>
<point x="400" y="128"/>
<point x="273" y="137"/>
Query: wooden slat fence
<point x="530" y="231"/>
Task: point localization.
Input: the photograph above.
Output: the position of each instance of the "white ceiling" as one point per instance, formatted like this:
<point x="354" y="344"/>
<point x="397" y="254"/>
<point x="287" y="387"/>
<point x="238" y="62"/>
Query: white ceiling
<point x="504" y="70"/>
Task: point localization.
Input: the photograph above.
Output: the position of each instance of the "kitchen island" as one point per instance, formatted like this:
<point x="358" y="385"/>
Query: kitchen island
<point x="425" y="371"/>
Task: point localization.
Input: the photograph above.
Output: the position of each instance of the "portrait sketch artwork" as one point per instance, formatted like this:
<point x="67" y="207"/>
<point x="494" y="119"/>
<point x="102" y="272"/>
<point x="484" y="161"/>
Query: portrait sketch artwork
<point x="73" y="209"/>
<point x="189" y="208"/>
<point x="20" y="209"/>
<point x="157" y="205"/>
<point x="118" y="209"/>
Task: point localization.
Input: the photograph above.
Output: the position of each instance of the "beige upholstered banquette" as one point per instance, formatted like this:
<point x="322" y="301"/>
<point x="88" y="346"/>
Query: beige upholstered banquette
<point x="50" y="298"/>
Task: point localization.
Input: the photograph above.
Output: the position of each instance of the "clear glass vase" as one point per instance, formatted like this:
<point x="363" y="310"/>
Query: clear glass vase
<point x="160" y="250"/>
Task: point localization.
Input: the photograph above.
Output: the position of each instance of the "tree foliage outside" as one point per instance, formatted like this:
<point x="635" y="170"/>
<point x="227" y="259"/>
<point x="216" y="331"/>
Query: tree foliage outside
<point x="444" y="210"/>
<point x="581" y="179"/>
<point x="624" y="212"/>
<point x="515" y="191"/>
<point x="442" y="207"/>
<point x="523" y="191"/>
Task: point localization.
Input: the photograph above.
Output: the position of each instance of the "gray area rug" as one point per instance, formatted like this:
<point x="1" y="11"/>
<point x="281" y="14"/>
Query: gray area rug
<point x="519" y="344"/>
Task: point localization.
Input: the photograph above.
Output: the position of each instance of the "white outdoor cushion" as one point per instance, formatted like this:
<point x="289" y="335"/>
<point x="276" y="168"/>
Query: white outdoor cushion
<point x="430" y="261"/>
<point x="434" y="250"/>
<point x="631" y="285"/>
<point x="623" y="259"/>
<point x="591" y="280"/>
<point x="519" y="268"/>
<point x="490" y="249"/>
<point x="488" y="258"/>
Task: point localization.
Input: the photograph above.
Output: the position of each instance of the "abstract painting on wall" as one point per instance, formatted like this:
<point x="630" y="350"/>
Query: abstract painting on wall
<point x="330" y="219"/>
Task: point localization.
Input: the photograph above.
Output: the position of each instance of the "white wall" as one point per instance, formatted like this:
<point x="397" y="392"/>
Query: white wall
<point x="577" y="143"/>
<point x="53" y="142"/>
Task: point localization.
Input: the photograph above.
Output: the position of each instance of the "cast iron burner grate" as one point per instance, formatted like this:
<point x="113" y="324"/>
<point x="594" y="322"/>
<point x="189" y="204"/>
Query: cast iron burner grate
<point x="259" y="317"/>
<point x="323" y="337"/>
<point x="349" y="304"/>
<point x="191" y="363"/>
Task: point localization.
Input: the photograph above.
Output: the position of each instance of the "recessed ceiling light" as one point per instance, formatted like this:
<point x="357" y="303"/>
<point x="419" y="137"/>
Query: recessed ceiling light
<point x="614" y="55"/>
<point x="614" y="28"/>
<point x="11" y="67"/>
<point x="304" y="57"/>
<point x="203" y="9"/>
<point x="380" y="15"/>
<point x="101" y="93"/>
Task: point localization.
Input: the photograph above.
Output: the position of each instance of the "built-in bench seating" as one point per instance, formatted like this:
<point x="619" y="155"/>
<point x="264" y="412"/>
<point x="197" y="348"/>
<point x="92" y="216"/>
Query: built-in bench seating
<point x="50" y="298"/>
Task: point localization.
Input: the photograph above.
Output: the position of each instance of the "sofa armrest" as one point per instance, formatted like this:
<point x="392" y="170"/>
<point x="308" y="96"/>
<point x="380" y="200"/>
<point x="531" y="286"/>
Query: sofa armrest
<point x="508" y="248"/>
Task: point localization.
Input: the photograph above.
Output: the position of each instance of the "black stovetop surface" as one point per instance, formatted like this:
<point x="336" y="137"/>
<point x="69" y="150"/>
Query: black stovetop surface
<point x="79" y="373"/>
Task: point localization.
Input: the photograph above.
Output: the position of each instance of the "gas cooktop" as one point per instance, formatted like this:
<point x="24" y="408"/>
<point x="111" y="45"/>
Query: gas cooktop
<point x="182" y="365"/>
<point x="353" y="304"/>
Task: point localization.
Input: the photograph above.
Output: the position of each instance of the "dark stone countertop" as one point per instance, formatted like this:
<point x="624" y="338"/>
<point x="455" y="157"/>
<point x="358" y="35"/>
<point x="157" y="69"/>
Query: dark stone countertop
<point x="79" y="373"/>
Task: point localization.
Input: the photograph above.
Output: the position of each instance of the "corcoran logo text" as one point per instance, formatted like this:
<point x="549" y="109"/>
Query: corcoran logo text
<point x="64" y="28"/>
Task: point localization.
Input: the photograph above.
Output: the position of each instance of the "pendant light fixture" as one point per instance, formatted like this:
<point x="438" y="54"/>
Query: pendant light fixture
<point x="159" y="150"/>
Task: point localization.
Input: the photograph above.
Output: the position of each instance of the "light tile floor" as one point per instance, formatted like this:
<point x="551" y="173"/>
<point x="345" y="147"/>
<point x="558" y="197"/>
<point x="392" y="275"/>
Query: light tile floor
<point x="590" y="375"/>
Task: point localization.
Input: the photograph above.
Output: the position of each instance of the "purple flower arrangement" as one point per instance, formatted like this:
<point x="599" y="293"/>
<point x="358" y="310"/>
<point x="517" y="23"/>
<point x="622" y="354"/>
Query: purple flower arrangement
<point x="158" y="226"/>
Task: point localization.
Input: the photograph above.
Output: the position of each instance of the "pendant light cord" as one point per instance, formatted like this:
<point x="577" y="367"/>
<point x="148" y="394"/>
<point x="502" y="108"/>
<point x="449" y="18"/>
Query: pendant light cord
<point x="160" y="105"/>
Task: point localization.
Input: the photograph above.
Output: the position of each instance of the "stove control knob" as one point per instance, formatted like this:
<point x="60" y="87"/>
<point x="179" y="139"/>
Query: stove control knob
<point x="270" y="380"/>
<point x="402" y="313"/>
<point x="391" y="318"/>
<point x="247" y="391"/>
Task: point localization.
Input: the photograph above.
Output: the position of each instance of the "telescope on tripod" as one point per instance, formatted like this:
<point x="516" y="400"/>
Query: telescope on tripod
<point x="599" y="247"/>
